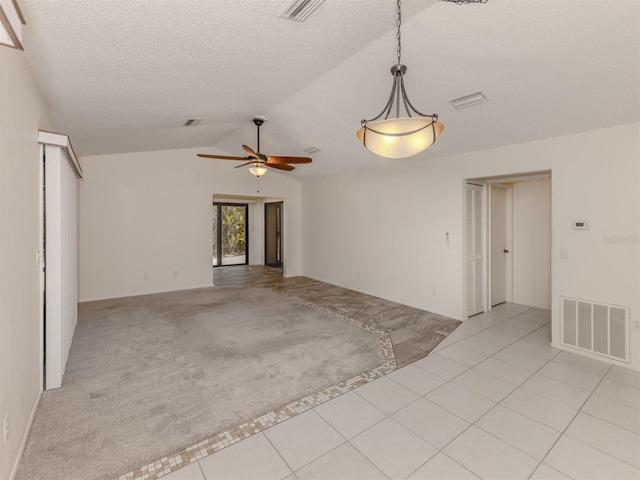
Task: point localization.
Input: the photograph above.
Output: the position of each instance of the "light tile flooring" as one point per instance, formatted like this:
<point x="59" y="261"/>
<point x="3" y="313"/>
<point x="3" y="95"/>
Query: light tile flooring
<point x="493" y="401"/>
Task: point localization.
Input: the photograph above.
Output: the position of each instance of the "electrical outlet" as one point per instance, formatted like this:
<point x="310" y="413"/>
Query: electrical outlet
<point x="6" y="428"/>
<point x="636" y="324"/>
<point x="146" y="276"/>
<point x="434" y="291"/>
<point x="175" y="274"/>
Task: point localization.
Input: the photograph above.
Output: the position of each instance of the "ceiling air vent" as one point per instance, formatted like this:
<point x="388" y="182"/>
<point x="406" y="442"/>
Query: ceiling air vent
<point x="461" y="2"/>
<point x="192" y="122"/>
<point x="311" y="150"/>
<point x="468" y="100"/>
<point x="299" y="10"/>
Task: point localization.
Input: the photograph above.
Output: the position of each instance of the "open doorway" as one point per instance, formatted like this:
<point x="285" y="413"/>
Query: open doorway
<point x="500" y="225"/>
<point x="273" y="234"/>
<point x="508" y="241"/>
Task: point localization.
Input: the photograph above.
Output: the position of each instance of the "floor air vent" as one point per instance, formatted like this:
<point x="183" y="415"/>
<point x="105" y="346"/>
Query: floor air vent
<point x="595" y="327"/>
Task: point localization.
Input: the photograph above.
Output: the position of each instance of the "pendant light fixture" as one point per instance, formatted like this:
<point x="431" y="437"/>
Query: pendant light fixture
<point x="395" y="136"/>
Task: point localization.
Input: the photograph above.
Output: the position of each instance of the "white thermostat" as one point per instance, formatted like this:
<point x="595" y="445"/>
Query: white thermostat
<point x="580" y="225"/>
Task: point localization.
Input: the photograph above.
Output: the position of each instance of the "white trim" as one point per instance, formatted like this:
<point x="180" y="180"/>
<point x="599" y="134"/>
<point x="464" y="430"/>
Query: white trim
<point x="463" y="251"/>
<point x="41" y="262"/>
<point x="11" y="22"/>
<point x="508" y="243"/>
<point x="63" y="141"/>
<point x="487" y="218"/>
<point x="509" y="227"/>
<point x="25" y="437"/>
<point x="520" y="177"/>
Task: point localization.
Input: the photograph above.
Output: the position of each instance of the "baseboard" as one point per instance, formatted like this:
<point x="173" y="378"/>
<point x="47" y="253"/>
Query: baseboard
<point x="25" y="437"/>
<point x="153" y="292"/>
<point x="587" y="354"/>
<point x="384" y="298"/>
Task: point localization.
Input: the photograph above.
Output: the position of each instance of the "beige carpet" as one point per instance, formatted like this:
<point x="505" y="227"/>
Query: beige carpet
<point x="150" y="375"/>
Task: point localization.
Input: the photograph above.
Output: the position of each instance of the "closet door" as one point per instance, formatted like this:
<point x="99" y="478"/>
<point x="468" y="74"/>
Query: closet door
<point x="61" y="257"/>
<point x="474" y="249"/>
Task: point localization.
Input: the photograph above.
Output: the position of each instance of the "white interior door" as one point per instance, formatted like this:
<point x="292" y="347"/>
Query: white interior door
<point x="499" y="250"/>
<point x="474" y="249"/>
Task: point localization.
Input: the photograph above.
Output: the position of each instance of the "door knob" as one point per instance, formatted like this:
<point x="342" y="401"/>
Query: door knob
<point x="505" y="250"/>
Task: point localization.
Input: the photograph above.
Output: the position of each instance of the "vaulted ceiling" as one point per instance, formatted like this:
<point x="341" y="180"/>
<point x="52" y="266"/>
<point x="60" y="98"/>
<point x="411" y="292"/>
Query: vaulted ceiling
<point x="124" y="76"/>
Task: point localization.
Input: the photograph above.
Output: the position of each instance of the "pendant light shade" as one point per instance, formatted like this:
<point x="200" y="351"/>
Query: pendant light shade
<point x="400" y="137"/>
<point x="392" y="135"/>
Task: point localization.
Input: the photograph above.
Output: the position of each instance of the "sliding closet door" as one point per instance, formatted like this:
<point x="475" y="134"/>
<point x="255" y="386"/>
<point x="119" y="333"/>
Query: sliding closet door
<point x="61" y="268"/>
<point x="474" y="249"/>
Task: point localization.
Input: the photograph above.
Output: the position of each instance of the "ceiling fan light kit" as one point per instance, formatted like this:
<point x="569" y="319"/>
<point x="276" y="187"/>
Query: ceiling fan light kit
<point x="258" y="170"/>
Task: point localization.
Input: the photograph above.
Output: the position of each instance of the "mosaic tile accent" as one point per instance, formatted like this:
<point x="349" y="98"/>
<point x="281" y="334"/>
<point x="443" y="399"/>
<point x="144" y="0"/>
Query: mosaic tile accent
<point x="379" y="311"/>
<point x="222" y="440"/>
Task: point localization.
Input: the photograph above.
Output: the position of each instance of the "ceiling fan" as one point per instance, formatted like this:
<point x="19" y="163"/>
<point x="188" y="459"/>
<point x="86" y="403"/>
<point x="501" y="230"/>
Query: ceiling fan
<point x="259" y="161"/>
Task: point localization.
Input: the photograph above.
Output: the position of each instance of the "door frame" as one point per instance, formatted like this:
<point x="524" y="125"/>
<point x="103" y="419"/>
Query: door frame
<point x="487" y="182"/>
<point x="281" y="232"/>
<point x="218" y="240"/>
<point x="508" y="187"/>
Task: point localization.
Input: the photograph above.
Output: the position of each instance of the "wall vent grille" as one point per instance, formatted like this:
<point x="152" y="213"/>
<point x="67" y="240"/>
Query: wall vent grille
<point x="598" y="328"/>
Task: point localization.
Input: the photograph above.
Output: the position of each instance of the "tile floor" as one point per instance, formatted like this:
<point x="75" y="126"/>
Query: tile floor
<point x="413" y="332"/>
<point x="492" y="401"/>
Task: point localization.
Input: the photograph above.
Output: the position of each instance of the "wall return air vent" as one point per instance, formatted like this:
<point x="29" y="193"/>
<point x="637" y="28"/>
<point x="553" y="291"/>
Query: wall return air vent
<point x="598" y="328"/>
<point x="299" y="10"/>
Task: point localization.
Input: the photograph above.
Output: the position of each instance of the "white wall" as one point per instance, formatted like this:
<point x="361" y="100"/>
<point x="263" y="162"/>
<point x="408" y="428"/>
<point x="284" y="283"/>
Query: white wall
<point x="532" y="243"/>
<point x="22" y="114"/>
<point x="151" y="213"/>
<point x="383" y="233"/>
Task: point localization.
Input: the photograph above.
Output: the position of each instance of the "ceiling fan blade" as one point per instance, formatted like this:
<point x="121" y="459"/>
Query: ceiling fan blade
<point x="280" y="160"/>
<point x="250" y="151"/>
<point x="283" y="166"/>
<point x="245" y="164"/>
<point x="222" y="157"/>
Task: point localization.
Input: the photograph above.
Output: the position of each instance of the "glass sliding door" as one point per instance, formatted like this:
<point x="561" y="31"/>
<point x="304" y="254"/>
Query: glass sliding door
<point x="230" y="234"/>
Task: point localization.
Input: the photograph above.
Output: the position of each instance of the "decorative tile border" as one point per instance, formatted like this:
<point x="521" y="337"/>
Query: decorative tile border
<point x="171" y="463"/>
<point x="222" y="440"/>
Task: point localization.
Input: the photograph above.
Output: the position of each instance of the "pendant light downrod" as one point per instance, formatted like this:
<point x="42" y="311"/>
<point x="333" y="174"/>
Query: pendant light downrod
<point x="399" y="137"/>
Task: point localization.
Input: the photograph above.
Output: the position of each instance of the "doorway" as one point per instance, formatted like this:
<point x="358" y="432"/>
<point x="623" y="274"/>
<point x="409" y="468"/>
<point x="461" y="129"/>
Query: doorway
<point x="500" y="243"/>
<point x="230" y="234"/>
<point x="273" y="234"/>
<point x="508" y="241"/>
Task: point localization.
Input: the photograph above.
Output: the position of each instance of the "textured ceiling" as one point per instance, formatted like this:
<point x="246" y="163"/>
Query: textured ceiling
<point x="124" y="76"/>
